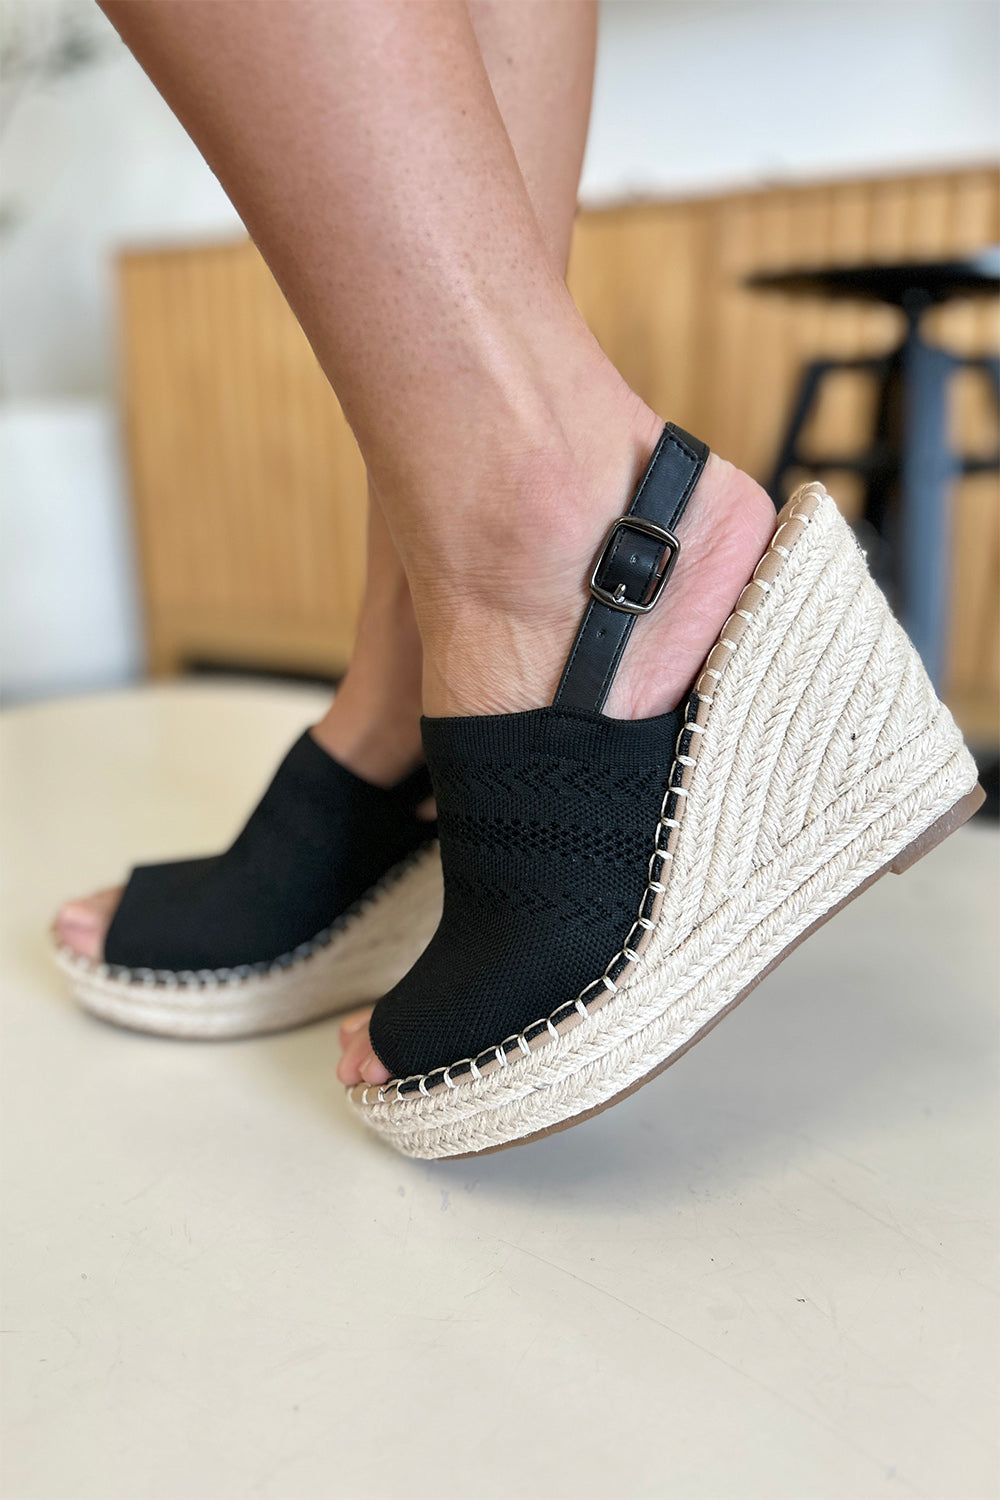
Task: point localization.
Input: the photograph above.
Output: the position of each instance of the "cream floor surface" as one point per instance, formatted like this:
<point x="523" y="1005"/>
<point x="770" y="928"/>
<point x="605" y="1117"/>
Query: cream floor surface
<point x="769" y="1274"/>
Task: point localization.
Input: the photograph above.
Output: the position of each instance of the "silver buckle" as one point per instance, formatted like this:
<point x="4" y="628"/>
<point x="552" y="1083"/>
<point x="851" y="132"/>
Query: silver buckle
<point x="616" y="599"/>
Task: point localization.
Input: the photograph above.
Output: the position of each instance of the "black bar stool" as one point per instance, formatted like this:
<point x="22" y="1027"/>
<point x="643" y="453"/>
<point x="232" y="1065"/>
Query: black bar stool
<point x="909" y="453"/>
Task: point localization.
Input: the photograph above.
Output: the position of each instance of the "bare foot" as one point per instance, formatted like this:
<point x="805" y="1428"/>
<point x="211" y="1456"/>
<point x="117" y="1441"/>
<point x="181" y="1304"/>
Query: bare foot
<point x="358" y="1062"/>
<point x="357" y="1058"/>
<point x="726" y="527"/>
<point x="82" y="925"/>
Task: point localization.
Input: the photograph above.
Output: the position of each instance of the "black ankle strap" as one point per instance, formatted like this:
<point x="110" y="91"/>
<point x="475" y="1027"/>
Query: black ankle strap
<point x="632" y="568"/>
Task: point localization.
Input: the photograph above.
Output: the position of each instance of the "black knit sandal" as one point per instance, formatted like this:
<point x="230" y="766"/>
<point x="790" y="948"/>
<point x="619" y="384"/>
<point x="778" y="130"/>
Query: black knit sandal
<point x="613" y="887"/>
<point x="328" y="895"/>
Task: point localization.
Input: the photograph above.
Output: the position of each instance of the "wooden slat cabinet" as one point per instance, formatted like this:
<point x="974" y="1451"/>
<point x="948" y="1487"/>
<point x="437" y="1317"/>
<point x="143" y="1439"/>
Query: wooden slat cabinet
<point x="247" y="484"/>
<point x="249" y="491"/>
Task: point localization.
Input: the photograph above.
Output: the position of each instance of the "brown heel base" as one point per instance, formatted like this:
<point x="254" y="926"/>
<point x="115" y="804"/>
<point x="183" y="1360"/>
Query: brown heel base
<point x="937" y="832"/>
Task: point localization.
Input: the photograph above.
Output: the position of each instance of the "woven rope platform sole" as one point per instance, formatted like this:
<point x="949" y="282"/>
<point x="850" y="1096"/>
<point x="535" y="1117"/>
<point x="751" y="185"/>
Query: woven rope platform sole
<point x="367" y="951"/>
<point x="959" y="814"/>
<point x="815" y="756"/>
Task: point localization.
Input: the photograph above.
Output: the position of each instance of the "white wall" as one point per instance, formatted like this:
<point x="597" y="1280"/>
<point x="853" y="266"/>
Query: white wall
<point x="697" y="95"/>
<point x="68" y="612"/>
<point x="92" y="161"/>
<point x="691" y="96"/>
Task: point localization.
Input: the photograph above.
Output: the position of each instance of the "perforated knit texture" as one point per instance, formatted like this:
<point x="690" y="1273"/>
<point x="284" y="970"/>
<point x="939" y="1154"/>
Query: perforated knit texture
<point x="544" y="821"/>
<point x="319" y="838"/>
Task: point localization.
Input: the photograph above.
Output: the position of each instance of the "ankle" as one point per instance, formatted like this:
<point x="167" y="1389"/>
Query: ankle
<point x="496" y="637"/>
<point x="723" y="533"/>
<point x="510" y="573"/>
<point x="380" y="749"/>
<point x="373" y="724"/>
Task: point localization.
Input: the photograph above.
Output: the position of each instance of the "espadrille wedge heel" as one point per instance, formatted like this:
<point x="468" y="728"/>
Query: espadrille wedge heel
<point x="326" y="898"/>
<point x="613" y="888"/>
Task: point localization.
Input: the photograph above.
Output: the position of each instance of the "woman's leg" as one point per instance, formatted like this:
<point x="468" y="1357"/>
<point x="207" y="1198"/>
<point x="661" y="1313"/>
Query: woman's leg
<point x="539" y="56"/>
<point x="373" y="724"/>
<point x="363" y="146"/>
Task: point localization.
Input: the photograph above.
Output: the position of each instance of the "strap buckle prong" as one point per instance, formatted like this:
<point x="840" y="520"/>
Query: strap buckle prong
<point x="615" y="597"/>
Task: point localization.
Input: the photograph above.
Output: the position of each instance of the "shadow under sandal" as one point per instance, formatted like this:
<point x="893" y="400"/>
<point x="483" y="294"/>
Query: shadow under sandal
<point x="612" y="888"/>
<point x="328" y="894"/>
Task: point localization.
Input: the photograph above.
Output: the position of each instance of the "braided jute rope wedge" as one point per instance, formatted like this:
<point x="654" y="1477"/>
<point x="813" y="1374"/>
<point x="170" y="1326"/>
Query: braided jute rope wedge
<point x="362" y="954"/>
<point x="814" y="757"/>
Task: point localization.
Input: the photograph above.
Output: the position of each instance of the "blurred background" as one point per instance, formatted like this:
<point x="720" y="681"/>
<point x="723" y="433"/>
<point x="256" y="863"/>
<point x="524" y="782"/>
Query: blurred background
<point x="180" y="491"/>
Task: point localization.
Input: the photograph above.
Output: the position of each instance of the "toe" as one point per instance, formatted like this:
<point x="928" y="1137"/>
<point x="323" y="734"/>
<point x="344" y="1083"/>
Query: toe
<point x="82" y="925"/>
<point x="356" y="1049"/>
<point x="352" y="1023"/>
<point x="373" y="1070"/>
<point x="359" y="1063"/>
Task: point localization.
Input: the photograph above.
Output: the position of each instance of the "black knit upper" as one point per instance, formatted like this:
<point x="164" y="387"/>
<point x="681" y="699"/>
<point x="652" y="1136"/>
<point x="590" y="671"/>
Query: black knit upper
<point x="317" y="841"/>
<point x="546" y="821"/>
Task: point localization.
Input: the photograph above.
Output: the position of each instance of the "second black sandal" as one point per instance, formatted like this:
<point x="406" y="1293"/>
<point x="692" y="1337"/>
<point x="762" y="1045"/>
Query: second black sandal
<point x="328" y="894"/>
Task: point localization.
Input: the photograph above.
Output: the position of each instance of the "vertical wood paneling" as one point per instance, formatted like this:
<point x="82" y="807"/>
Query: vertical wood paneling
<point x="755" y="344"/>
<point x="248" y="487"/>
<point x="639" y="269"/>
<point x="250" y="493"/>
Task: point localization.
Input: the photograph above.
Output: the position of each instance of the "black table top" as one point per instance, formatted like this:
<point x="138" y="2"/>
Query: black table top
<point x="904" y="284"/>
